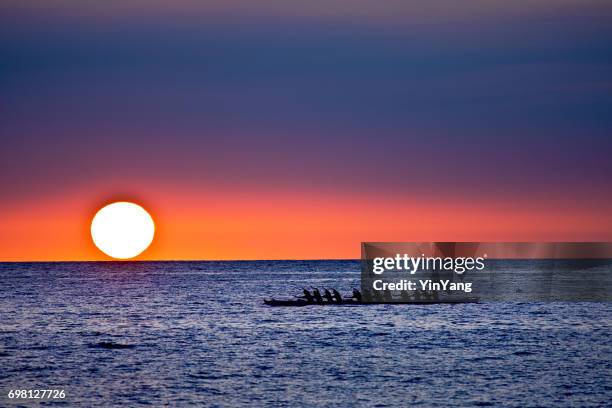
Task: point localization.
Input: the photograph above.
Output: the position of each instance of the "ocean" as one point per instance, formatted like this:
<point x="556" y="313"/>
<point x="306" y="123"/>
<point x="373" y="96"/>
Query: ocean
<point x="198" y="333"/>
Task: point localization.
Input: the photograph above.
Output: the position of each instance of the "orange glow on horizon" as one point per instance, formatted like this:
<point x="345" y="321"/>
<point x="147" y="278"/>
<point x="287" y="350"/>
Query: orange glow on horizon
<point x="287" y="226"/>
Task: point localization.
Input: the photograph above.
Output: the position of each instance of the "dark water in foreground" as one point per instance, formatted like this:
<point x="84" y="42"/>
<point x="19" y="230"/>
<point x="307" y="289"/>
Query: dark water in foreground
<point x="198" y="333"/>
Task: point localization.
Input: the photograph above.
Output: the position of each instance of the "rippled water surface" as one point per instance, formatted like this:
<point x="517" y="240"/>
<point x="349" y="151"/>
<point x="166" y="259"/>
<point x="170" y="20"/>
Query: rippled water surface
<point x="197" y="332"/>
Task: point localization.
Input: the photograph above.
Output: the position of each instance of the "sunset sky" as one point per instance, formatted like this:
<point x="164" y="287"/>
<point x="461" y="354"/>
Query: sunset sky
<point x="296" y="130"/>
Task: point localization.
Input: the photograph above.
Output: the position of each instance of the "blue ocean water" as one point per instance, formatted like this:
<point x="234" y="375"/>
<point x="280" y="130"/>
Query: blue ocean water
<point x="181" y="333"/>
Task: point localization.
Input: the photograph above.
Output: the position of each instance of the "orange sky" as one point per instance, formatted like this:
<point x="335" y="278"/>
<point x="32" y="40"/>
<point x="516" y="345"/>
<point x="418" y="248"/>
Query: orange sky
<point x="286" y="226"/>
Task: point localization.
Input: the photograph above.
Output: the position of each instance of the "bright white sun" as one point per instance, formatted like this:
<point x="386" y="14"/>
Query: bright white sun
<point x="122" y="230"/>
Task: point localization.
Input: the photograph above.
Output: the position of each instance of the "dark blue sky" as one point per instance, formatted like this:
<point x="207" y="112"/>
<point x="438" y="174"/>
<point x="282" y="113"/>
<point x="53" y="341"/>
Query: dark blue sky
<point x="495" y="98"/>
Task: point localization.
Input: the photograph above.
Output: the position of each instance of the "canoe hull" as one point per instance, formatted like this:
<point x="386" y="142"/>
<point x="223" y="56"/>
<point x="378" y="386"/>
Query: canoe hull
<point x="300" y="303"/>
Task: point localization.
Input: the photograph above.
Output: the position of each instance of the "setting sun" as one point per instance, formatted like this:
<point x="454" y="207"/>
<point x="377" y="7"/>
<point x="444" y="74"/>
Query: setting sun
<point x="122" y="230"/>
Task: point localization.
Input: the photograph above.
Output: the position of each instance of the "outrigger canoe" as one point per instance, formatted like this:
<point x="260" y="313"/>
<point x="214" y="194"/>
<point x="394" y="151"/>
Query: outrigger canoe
<point x="300" y="302"/>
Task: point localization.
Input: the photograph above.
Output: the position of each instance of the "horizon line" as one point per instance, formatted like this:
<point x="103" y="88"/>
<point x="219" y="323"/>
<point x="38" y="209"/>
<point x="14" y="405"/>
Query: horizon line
<point x="183" y="260"/>
<point x="266" y="260"/>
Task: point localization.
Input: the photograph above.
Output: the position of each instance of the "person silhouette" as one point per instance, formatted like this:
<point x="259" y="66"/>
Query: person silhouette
<point x="387" y="295"/>
<point x="337" y="296"/>
<point x="307" y="296"/>
<point x="357" y="295"/>
<point x="317" y="295"/>
<point x="328" y="296"/>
